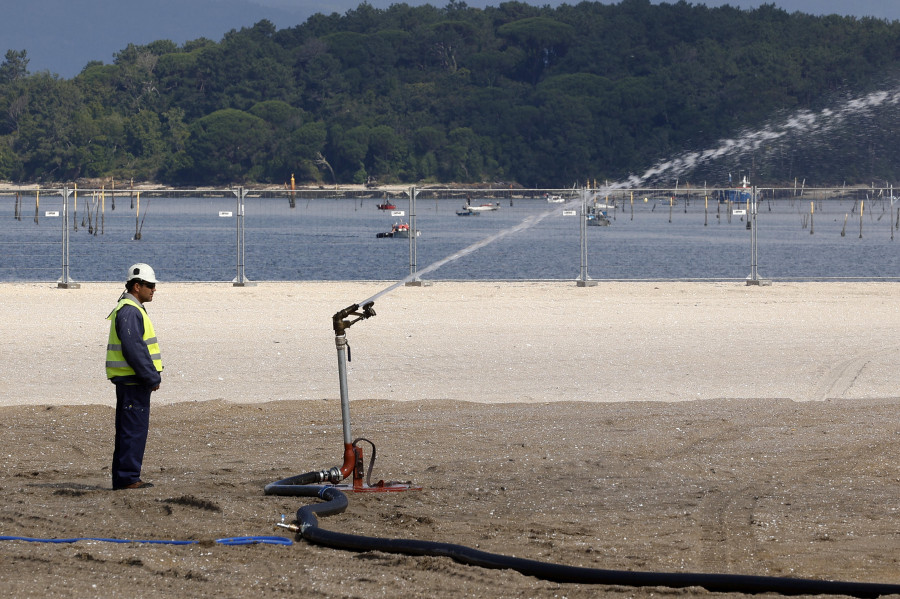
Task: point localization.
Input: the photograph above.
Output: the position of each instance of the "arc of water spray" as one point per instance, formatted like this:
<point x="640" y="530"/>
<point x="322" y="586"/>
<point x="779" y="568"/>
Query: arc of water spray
<point x="525" y="224"/>
<point x="801" y="122"/>
<point x="804" y="121"/>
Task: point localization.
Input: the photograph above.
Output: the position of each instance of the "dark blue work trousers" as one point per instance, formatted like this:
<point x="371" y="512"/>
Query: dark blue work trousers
<point x="132" y="425"/>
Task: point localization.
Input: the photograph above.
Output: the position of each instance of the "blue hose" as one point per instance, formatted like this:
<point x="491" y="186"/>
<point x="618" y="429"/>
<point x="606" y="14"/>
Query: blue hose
<point x="227" y="541"/>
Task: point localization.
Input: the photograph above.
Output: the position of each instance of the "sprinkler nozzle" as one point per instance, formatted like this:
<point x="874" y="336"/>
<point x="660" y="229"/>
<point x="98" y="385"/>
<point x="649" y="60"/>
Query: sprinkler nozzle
<point x="339" y="320"/>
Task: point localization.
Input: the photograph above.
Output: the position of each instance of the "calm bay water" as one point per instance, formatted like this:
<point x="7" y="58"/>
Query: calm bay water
<point x="195" y="239"/>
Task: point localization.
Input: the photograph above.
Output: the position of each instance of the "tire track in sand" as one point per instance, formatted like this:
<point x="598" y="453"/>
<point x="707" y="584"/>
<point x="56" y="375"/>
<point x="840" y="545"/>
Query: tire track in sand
<point x="841" y="377"/>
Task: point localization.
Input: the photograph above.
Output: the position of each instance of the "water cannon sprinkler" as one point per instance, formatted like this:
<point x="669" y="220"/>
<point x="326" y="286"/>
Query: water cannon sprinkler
<point x="339" y="322"/>
<point x="353" y="465"/>
<point x="354" y="462"/>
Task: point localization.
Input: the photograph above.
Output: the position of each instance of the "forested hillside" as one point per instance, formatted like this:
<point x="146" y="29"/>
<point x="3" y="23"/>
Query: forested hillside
<point x="509" y="94"/>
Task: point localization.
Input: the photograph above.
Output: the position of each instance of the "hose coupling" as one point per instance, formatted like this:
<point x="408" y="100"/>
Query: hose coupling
<point x="340" y="322"/>
<point x="283" y="524"/>
<point x="290" y="527"/>
<point x="332" y="475"/>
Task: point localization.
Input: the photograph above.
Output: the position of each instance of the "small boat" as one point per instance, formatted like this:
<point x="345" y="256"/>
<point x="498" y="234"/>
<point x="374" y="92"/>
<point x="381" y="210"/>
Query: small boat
<point x="733" y="196"/>
<point x="399" y="230"/>
<point x="466" y="212"/>
<point x="386" y="206"/>
<point x="598" y="214"/>
<point x="597" y="220"/>
<point x="560" y="199"/>
<point x="481" y="208"/>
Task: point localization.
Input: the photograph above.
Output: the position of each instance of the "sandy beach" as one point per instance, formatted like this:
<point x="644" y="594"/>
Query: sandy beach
<point x="664" y="426"/>
<point x="479" y="342"/>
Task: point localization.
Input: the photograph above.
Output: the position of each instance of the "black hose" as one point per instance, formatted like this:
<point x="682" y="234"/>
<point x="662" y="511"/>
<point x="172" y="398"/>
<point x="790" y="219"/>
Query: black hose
<point x="336" y="502"/>
<point x="294" y="485"/>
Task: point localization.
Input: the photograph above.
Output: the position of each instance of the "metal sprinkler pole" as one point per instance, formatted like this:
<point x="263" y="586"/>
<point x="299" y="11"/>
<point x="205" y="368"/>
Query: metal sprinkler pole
<point x="353" y="453"/>
<point x="340" y="342"/>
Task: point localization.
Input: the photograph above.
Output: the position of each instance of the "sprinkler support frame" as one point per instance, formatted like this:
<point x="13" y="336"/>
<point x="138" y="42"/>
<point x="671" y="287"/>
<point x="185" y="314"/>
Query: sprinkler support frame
<point x="353" y="454"/>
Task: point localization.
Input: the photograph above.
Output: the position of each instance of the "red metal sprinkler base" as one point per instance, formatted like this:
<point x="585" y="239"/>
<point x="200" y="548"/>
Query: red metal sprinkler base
<point x="353" y="465"/>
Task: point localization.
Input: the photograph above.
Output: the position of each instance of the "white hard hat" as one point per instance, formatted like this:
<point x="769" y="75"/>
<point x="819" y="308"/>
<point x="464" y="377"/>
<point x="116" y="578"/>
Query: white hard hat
<point x="141" y="271"/>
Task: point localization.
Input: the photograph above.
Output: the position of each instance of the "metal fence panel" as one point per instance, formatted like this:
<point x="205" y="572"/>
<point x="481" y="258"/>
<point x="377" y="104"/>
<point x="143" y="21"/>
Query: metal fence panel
<point x="186" y="238"/>
<point x="463" y="234"/>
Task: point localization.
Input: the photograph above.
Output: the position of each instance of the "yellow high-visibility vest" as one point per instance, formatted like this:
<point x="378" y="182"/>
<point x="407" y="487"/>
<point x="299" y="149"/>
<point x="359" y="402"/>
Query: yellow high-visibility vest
<point x="115" y="359"/>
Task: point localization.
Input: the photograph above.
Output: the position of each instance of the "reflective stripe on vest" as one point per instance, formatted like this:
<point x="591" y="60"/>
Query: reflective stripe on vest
<point x="115" y="359"/>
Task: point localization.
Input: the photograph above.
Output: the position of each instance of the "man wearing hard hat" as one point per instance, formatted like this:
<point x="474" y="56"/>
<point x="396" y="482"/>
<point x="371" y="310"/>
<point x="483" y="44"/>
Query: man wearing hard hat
<point x="133" y="364"/>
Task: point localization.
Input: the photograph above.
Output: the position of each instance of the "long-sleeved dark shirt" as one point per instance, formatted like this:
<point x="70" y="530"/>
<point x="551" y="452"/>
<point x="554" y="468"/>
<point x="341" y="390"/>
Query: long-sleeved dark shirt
<point x="130" y="328"/>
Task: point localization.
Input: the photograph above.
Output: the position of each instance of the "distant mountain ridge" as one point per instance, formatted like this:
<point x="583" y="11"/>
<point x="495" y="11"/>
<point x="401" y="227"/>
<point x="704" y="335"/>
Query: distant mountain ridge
<point x="62" y="36"/>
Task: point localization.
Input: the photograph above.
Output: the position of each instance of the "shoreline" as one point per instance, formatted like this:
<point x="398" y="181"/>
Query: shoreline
<point x="391" y="188"/>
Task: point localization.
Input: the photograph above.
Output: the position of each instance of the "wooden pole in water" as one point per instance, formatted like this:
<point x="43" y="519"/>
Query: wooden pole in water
<point x="632" y="205"/>
<point x="103" y="212"/>
<point x="812" y="211"/>
<point x="17" y="213"/>
<point x="862" y="205"/>
<point x="293" y="195"/>
<point x="706" y="210"/>
<point x="844" y="228"/>
<point x="137" y="216"/>
<point x="747" y="211"/>
<point x="37" y="204"/>
<point x="891" y="223"/>
<point x="112" y="193"/>
<point x="75" y="219"/>
<point x="90" y="213"/>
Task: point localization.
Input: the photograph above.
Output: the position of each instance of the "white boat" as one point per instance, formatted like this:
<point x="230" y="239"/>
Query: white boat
<point x="560" y="199"/>
<point x="482" y="208"/>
